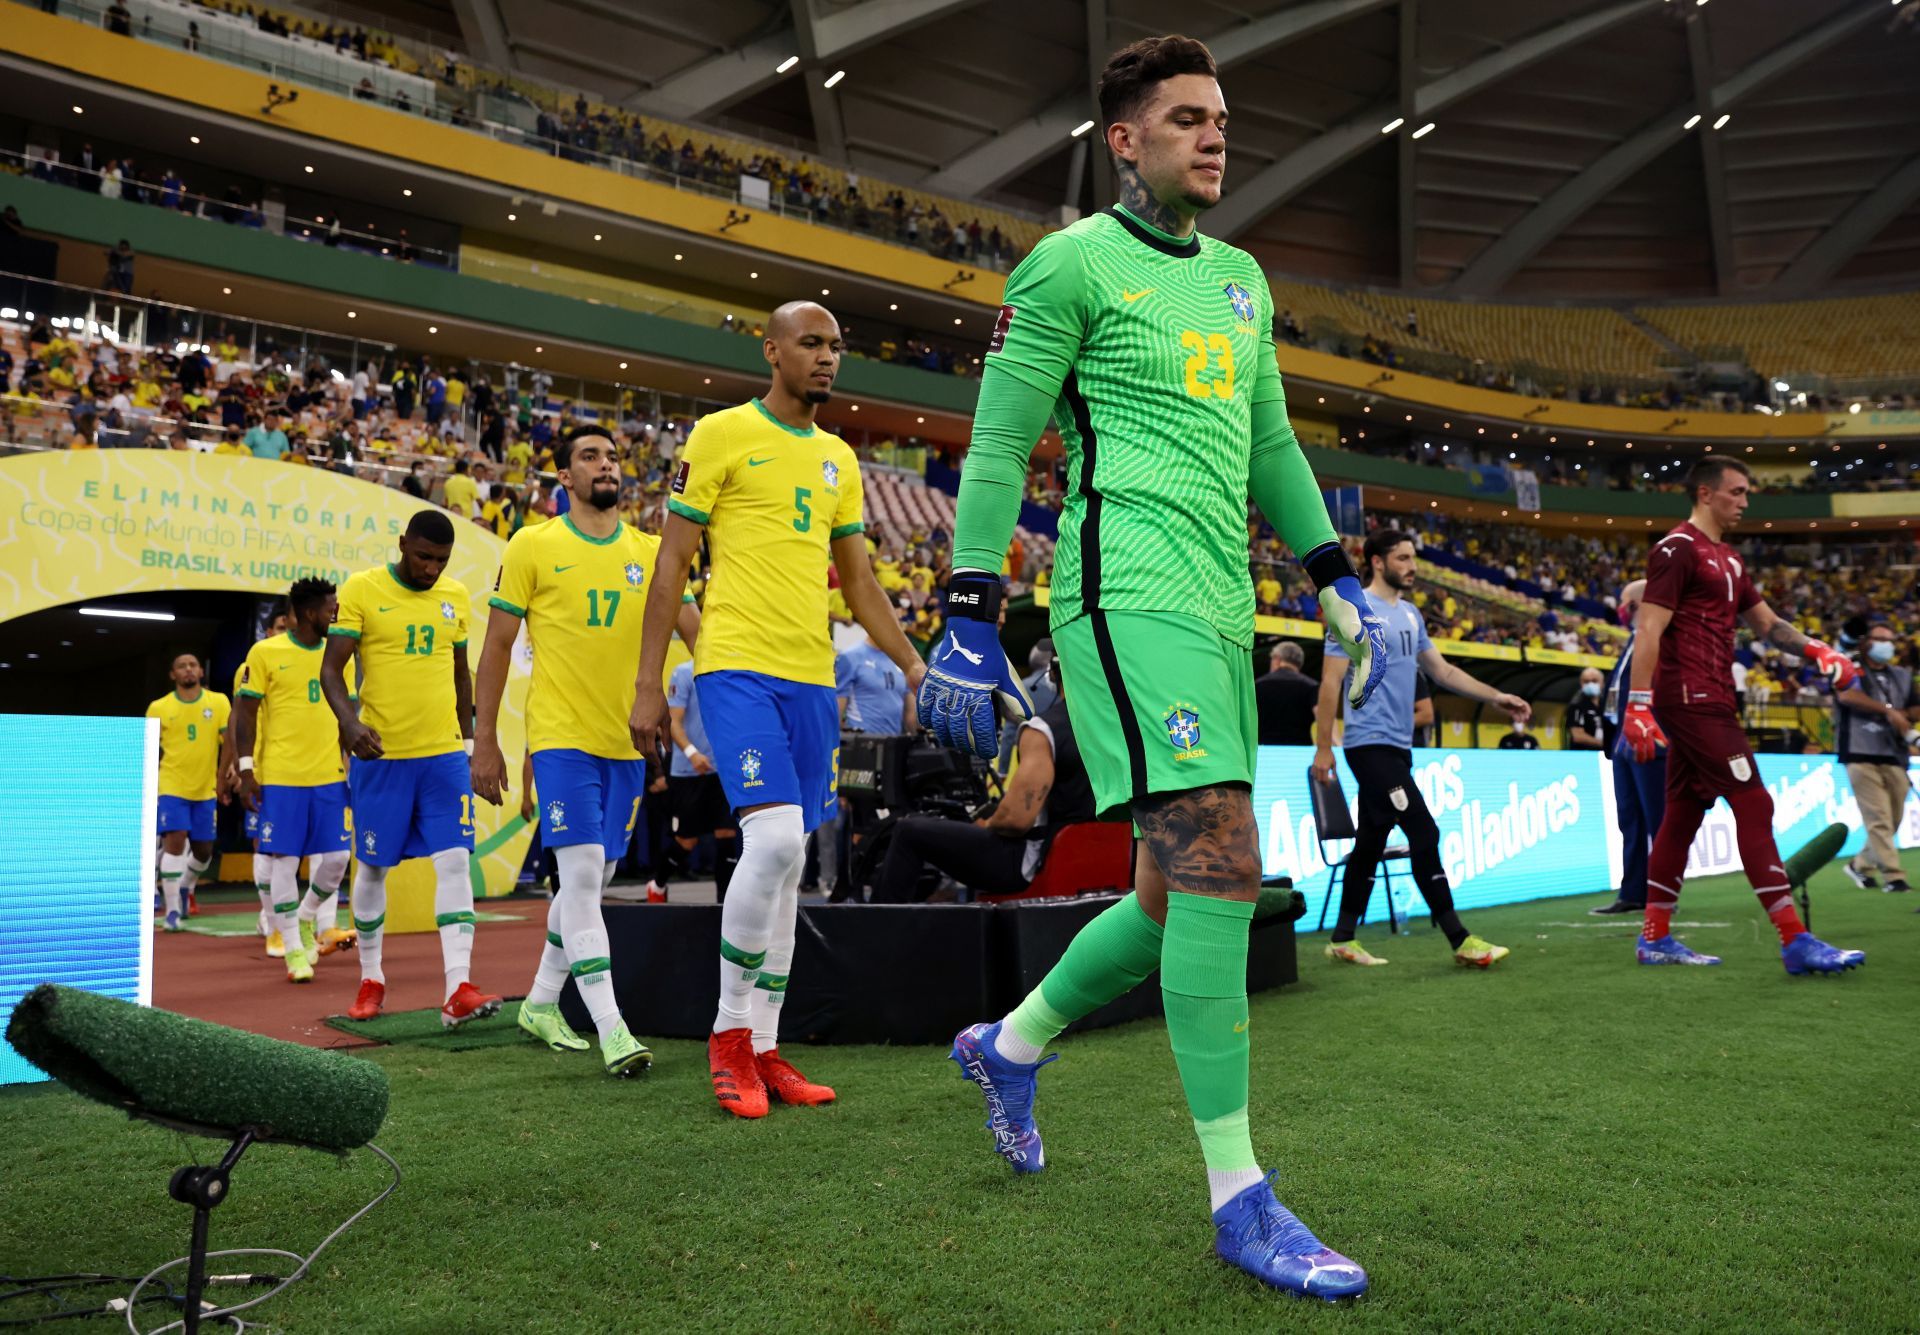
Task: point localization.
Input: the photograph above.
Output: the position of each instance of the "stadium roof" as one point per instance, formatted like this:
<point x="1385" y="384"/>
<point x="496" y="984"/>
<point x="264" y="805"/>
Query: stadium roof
<point x="1564" y="157"/>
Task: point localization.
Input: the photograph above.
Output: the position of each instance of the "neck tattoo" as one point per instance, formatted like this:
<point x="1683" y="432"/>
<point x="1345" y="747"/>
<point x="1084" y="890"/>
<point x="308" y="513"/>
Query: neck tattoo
<point x="1144" y="205"/>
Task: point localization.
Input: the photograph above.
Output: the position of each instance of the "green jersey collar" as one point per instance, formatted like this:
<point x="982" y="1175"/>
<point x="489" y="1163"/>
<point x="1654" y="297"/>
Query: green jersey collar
<point x="198" y="692"/>
<point x="298" y="643"/>
<point x="393" y="570"/>
<point x="790" y="430"/>
<point x="1181" y="248"/>
<point x="574" y="529"/>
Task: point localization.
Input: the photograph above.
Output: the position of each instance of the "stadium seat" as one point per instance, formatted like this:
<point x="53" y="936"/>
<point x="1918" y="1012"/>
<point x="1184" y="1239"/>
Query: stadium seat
<point x="1083" y="858"/>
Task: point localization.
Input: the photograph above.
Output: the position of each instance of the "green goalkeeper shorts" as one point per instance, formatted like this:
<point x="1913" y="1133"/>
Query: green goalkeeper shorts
<point x="1159" y="703"/>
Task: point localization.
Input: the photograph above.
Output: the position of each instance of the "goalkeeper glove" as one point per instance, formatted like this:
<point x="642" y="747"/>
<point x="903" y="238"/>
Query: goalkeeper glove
<point x="1830" y="663"/>
<point x="1639" y="730"/>
<point x="970" y="686"/>
<point x="1356" y="627"/>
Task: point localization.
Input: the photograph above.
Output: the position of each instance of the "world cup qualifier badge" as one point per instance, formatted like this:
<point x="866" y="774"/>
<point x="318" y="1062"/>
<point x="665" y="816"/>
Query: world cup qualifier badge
<point x="1183" y="731"/>
<point x="750" y="768"/>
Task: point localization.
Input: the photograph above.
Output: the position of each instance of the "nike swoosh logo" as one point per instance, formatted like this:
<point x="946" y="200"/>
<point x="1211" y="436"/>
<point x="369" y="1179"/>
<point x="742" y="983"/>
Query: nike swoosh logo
<point x="1131" y="297"/>
<point x="561" y="570"/>
<point x="1241" y="1028"/>
<point x="389" y="609"/>
<point x="755" y="463"/>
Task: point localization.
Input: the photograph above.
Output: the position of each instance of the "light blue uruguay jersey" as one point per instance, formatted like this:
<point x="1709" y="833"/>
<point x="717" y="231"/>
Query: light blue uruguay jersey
<point x="874" y="688"/>
<point x="682" y="694"/>
<point x="1386" y="719"/>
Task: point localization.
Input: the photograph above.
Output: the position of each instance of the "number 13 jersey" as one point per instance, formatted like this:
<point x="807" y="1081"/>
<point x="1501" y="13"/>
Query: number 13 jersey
<point x="408" y="638"/>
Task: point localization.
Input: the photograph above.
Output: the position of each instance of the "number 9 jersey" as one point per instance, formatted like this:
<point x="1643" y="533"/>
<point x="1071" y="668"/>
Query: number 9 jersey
<point x="773" y="501"/>
<point x="407" y="639"/>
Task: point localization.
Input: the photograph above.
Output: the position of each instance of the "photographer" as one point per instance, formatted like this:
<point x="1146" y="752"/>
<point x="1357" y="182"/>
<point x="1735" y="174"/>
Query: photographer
<point x="1000" y="853"/>
<point x="1872" y="720"/>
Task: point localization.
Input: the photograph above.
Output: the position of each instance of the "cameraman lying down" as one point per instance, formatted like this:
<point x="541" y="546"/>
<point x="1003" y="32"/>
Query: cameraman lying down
<point x="1000" y="853"/>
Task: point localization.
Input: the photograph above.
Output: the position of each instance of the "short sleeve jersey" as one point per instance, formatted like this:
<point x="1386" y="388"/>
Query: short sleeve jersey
<point x="773" y="500"/>
<point x="296" y="742"/>
<point x="259" y="724"/>
<point x="190" y="742"/>
<point x="874" y="688"/>
<point x="1386" y="719"/>
<point x="1155" y="350"/>
<point x="682" y="693"/>
<point x="1705" y="585"/>
<point x="407" y="640"/>
<point x="583" y="600"/>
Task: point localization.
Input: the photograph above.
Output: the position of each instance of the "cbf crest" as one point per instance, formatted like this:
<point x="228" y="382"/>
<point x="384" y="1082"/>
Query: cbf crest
<point x="636" y="573"/>
<point x="830" y="471"/>
<point x="557" y="816"/>
<point x="1183" y="730"/>
<point x="1241" y="300"/>
<point x="368" y="841"/>
<point x="446" y="611"/>
<point x="750" y="768"/>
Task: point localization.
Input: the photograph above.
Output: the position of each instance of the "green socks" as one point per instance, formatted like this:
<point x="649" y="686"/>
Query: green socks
<point x="1108" y="958"/>
<point x="1203" y="982"/>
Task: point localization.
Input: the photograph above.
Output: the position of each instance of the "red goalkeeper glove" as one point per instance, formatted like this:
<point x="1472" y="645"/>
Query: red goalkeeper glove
<point x="1642" y="733"/>
<point x="1835" y="666"/>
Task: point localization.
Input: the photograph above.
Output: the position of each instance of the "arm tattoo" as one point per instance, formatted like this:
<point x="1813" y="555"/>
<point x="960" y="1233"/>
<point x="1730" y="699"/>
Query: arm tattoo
<point x="1140" y="202"/>
<point x="1783" y="636"/>
<point x="1203" y="839"/>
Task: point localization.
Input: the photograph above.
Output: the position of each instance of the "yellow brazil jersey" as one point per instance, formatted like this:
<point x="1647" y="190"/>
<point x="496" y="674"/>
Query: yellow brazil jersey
<point x="582" y="599"/>
<point x="190" y="742"/>
<point x="773" y="499"/>
<point x="296" y="738"/>
<point x="407" y="640"/>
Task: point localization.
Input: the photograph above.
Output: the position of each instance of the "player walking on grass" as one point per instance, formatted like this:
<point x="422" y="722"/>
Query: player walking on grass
<point x="1379" y="746"/>
<point x="1682" y="695"/>
<point x="779" y="501"/>
<point x="230" y="767"/>
<point x="1152" y="347"/>
<point x="406" y="625"/>
<point x="287" y="750"/>
<point x="193" y="720"/>
<point x="576" y="583"/>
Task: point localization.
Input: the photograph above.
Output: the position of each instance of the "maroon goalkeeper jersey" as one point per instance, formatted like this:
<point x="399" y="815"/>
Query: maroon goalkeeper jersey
<point x="1704" y="584"/>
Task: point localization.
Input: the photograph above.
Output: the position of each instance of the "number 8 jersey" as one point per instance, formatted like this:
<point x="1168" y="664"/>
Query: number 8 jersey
<point x="773" y="500"/>
<point x="407" y="639"/>
<point x="1155" y="348"/>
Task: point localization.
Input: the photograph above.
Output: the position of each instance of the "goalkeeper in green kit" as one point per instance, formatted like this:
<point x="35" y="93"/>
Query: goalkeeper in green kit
<point x="1152" y="349"/>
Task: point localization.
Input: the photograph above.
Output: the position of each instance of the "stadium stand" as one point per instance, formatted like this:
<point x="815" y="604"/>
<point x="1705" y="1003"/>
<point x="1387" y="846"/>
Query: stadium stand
<point x="1842" y="342"/>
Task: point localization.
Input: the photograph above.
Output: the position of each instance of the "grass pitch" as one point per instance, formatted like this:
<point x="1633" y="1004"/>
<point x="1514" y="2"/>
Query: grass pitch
<point x="1568" y="1142"/>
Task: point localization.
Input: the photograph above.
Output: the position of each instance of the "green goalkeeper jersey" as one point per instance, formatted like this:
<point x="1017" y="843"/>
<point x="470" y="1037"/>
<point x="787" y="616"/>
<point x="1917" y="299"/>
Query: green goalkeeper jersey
<point x="1155" y="350"/>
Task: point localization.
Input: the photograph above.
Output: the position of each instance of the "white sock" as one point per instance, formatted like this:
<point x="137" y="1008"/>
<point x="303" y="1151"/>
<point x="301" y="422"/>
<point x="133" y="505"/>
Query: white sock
<point x="584" y="930"/>
<point x="172" y="867"/>
<point x="552" y="973"/>
<point x="370" y="918"/>
<point x="285" y="872"/>
<point x="770" y="988"/>
<point x="1015" y="1048"/>
<point x="606" y="877"/>
<point x="1225" y="1184"/>
<point x="191" y="876"/>
<point x="263" y="882"/>
<point x="325" y="875"/>
<point x="453" y="911"/>
<point x="772" y="841"/>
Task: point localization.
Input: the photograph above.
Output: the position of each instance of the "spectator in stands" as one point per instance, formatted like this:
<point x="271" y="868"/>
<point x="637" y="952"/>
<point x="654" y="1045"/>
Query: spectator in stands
<point x="1585" y="730"/>
<point x="1518" y="738"/>
<point x="435" y="386"/>
<point x="417" y="483"/>
<point x="120" y="19"/>
<point x="462" y="494"/>
<point x="1284" y="698"/>
<point x="120" y="268"/>
<point x="268" y="440"/>
<point x="1873" y="720"/>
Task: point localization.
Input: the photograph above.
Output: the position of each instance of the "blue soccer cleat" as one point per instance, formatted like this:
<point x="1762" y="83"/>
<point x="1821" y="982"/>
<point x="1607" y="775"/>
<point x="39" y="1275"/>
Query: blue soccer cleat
<point x="1260" y="1235"/>
<point x="1669" y="951"/>
<point x="1009" y="1087"/>
<point x="173" y="923"/>
<point x="1807" y="953"/>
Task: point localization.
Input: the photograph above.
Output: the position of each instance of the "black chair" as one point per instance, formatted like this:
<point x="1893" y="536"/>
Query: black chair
<point x="1332" y="821"/>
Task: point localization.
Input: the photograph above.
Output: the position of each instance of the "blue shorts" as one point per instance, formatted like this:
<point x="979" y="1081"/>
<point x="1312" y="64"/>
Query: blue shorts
<point x="587" y="799"/>
<point x="411" y="808"/>
<point x="253" y="825"/>
<point x="296" y="822"/>
<point x="773" y="740"/>
<point x="196" y="818"/>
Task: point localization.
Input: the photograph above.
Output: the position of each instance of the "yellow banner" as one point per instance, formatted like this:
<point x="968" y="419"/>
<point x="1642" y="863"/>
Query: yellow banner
<point x="95" y="523"/>
<point x="1869" y="422"/>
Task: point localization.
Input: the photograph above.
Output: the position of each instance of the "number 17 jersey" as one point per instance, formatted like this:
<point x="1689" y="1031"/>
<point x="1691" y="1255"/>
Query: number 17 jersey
<point x="1155" y="349"/>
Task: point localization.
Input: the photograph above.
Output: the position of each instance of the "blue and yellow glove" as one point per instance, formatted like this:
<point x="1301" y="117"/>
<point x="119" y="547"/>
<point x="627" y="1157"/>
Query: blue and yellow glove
<point x="970" y="686"/>
<point x="1355" y="626"/>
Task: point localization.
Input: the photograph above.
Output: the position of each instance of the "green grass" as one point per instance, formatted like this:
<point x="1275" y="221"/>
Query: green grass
<point x="1566" y="1143"/>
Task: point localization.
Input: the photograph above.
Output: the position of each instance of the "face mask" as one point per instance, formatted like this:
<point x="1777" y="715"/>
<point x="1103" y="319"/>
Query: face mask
<point x="1881" y="651"/>
<point x="1590" y="688"/>
<point x="1518" y="726"/>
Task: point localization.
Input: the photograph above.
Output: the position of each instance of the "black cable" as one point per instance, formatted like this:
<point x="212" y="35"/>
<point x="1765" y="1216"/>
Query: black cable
<point x="55" y="1287"/>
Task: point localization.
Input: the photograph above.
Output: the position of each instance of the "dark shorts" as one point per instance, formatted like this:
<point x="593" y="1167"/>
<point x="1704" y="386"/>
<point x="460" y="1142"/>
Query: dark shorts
<point x="1708" y="755"/>
<point x="698" y="804"/>
<point x="1388" y="794"/>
